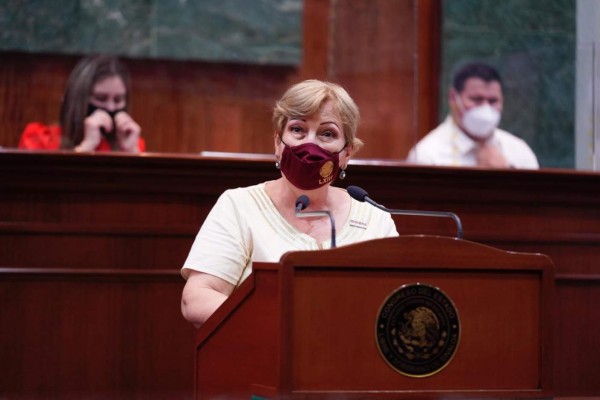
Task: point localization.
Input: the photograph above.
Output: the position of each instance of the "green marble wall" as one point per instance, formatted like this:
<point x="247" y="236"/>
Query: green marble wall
<point x="533" y="45"/>
<point x="256" y="31"/>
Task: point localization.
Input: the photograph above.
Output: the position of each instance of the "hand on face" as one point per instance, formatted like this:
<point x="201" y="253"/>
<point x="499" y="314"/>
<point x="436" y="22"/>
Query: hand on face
<point x="108" y="96"/>
<point x="127" y="131"/>
<point x="490" y="156"/>
<point x="93" y="126"/>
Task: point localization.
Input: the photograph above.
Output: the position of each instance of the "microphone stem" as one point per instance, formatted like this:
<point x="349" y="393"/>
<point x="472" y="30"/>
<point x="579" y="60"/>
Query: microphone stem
<point x="423" y="213"/>
<point x="320" y="214"/>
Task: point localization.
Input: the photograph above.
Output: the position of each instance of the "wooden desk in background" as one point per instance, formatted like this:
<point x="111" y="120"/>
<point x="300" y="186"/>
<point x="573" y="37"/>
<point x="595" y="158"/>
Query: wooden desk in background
<point x="91" y="247"/>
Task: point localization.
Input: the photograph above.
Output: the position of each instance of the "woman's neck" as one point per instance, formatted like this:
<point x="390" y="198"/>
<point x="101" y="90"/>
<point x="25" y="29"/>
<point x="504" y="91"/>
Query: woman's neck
<point x="284" y="193"/>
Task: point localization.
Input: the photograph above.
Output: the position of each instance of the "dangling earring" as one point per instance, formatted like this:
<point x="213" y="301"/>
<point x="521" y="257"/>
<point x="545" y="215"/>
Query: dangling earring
<point x="277" y="164"/>
<point x="342" y="173"/>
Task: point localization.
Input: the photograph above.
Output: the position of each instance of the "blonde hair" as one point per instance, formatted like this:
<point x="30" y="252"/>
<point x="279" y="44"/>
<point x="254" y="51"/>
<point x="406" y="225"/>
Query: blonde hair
<point x="307" y="97"/>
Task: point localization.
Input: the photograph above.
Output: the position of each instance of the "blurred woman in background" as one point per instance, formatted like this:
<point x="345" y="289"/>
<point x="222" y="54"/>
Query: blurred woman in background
<point x="94" y="114"/>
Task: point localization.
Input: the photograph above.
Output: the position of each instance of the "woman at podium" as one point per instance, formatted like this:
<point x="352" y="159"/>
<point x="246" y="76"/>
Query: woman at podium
<point x="315" y="126"/>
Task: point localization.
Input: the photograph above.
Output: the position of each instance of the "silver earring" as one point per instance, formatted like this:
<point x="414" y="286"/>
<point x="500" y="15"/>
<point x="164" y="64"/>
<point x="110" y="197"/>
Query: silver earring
<point x="277" y="164"/>
<point x="342" y="173"/>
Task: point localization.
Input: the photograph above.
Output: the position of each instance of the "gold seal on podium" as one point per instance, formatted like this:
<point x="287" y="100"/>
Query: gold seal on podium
<point x="418" y="330"/>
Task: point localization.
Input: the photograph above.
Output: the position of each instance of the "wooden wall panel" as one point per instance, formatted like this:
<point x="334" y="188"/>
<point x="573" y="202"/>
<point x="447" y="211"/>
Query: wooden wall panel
<point x="193" y="106"/>
<point x="90" y="286"/>
<point x="579" y="298"/>
<point x="386" y="54"/>
<point x="91" y="334"/>
<point x="429" y="26"/>
<point x="376" y="65"/>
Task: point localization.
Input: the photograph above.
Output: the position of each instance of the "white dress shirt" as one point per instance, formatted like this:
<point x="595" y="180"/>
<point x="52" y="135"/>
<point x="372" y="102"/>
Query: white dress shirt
<point x="448" y="145"/>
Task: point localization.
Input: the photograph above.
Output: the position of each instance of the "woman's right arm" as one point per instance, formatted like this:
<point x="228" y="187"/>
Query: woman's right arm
<point x="202" y="295"/>
<point x="38" y="136"/>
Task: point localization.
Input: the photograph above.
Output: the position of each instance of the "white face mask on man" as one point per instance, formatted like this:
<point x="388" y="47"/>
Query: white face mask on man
<point x="479" y="121"/>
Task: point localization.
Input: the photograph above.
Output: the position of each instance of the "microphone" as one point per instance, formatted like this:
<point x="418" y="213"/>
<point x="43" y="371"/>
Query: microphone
<point x="360" y="194"/>
<point x="302" y="202"/>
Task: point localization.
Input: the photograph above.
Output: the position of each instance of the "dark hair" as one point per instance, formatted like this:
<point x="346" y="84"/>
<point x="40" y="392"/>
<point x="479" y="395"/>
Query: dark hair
<point x="475" y="70"/>
<point x="85" y="75"/>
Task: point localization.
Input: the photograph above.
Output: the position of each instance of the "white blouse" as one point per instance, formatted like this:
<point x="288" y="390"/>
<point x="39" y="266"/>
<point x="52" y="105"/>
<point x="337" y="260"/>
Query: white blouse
<point x="245" y="226"/>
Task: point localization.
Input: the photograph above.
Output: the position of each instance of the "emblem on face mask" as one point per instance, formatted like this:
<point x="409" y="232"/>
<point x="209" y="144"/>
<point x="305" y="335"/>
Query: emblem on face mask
<point x="308" y="166"/>
<point x="326" y="169"/>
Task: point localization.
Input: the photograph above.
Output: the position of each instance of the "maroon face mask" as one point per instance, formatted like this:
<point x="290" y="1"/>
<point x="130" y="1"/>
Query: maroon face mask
<point x="308" y="166"/>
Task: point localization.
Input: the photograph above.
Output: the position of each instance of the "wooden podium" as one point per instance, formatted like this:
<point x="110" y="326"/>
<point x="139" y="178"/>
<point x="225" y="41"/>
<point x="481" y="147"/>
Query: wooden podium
<point x="306" y="327"/>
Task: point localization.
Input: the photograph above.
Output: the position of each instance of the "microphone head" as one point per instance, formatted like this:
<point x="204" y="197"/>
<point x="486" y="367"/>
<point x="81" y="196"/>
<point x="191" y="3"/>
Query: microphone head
<point x="302" y="202"/>
<point x="357" y="193"/>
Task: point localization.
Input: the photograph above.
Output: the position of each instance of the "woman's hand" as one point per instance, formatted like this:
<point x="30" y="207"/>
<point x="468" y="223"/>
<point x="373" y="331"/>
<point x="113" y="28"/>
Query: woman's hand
<point x="128" y="132"/>
<point x="92" y="130"/>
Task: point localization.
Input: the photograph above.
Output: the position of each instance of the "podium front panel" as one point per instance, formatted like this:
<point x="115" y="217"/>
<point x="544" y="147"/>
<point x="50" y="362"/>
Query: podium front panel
<point x="334" y="332"/>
